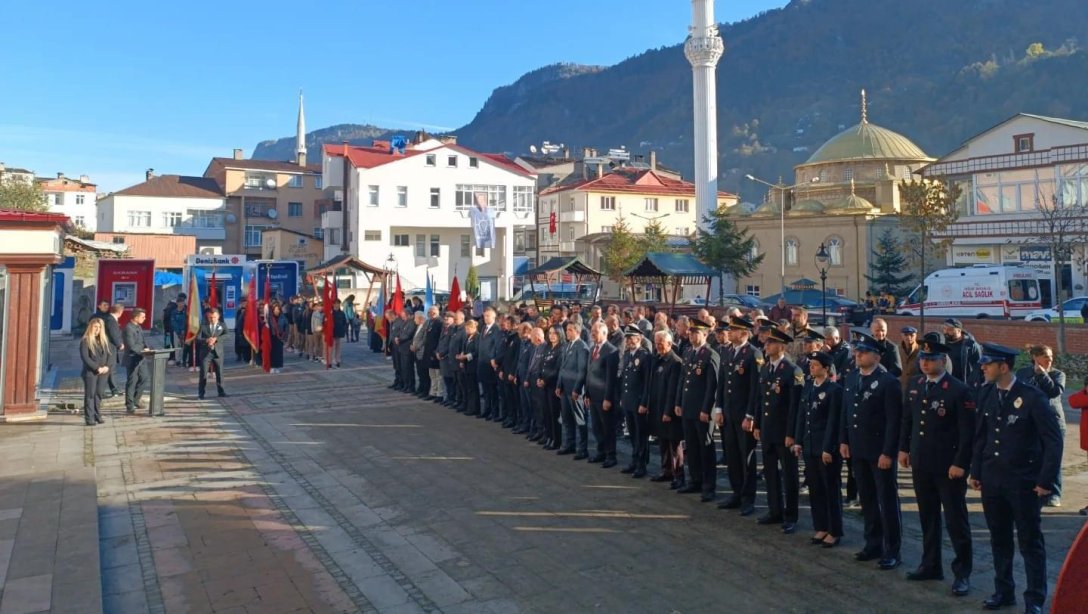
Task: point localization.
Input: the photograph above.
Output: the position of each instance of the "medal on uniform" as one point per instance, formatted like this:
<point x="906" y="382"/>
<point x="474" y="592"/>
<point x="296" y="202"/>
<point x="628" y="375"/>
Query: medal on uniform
<point x="1018" y="402"/>
<point x="821" y="396"/>
<point x="740" y="370"/>
<point x="698" y="371"/>
<point x="1012" y="418"/>
<point x="777" y="388"/>
<point x="874" y="385"/>
<point x="944" y="386"/>
<point x="636" y="362"/>
<point x="865" y="397"/>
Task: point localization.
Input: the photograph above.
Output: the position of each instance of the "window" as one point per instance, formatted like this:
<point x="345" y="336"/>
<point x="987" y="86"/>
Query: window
<point x="530" y="240"/>
<point x="466" y="199"/>
<point x="651" y="204"/>
<point x="79" y="199"/>
<point x="372" y="235"/>
<point x="436" y="246"/>
<point x="1023" y="290"/>
<point x="480" y="252"/>
<point x="257" y="181"/>
<point x="682" y="205"/>
<point x="139" y="219"/>
<point x="570" y="233"/>
<point x="204" y="219"/>
<point x="793" y="246"/>
<point x="1024" y="142"/>
<point x="848" y="174"/>
<point x="608" y="203"/>
<point x="751" y="290"/>
<point x="253" y="235"/>
<point x="421" y="246"/>
<point x="319" y="233"/>
<point x="118" y="240"/>
<point x="834" y="249"/>
<point x="319" y="183"/>
<point x="523" y="198"/>
<point x="752" y="255"/>
<point x="400" y="240"/>
<point x="295" y="181"/>
<point x="333" y="236"/>
<point x="294" y="209"/>
<point x="519" y="241"/>
<point x="373" y="191"/>
<point x="451" y="161"/>
<point x="79" y="221"/>
<point x="436" y="198"/>
<point x="432" y="160"/>
<point x="607" y="229"/>
<point x="171" y="219"/>
<point x="474" y="162"/>
<point x="683" y="231"/>
<point x="466" y="243"/>
<point x="402" y="196"/>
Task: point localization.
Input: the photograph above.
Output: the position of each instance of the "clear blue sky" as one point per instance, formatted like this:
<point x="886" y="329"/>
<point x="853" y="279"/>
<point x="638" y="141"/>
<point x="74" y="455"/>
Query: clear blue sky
<point x="109" y="89"/>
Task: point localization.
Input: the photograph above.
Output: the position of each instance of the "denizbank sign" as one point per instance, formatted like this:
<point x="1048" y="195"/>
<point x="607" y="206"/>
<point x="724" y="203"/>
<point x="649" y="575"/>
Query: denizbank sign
<point x="216" y="260"/>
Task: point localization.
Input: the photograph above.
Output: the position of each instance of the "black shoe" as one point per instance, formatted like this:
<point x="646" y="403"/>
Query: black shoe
<point x="921" y="575"/>
<point x="661" y="478"/>
<point x="789" y="528"/>
<point x="689" y="489"/>
<point x="996" y="601"/>
<point x="731" y="503"/>
<point x="100" y="420"/>
<point x="676" y="485"/>
<point x="581" y="456"/>
<point x="565" y="451"/>
<point x="222" y="394"/>
<point x="1033" y="609"/>
<point x="707" y="497"/>
<point x="200" y="396"/>
<point x="961" y="587"/>
<point x="831" y="544"/>
<point x="130" y="410"/>
<point x="768" y="519"/>
<point x="628" y="469"/>
<point x="639" y="473"/>
<point x="889" y="563"/>
<point x="866" y="555"/>
<point x="597" y="458"/>
<point x="608" y="463"/>
<point x="747" y="509"/>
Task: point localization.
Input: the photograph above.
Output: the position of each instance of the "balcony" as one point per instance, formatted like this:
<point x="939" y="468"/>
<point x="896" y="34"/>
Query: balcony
<point x="572" y="216"/>
<point x="566" y="247"/>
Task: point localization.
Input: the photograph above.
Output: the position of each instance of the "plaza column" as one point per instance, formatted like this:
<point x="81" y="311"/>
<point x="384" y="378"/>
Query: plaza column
<point x="23" y="331"/>
<point x="703" y="49"/>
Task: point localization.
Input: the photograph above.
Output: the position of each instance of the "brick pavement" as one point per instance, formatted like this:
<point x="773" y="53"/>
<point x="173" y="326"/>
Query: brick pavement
<point x="321" y="490"/>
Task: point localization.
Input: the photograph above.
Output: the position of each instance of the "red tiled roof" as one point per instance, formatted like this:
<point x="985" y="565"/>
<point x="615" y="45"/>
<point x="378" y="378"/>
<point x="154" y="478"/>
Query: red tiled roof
<point x="175" y="186"/>
<point x="370" y="157"/>
<point x="16" y="215"/>
<point x="631" y="181"/>
<point x="266" y="165"/>
<point x="504" y="162"/>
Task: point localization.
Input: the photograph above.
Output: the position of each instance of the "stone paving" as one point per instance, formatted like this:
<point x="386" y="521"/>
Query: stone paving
<point x="323" y="491"/>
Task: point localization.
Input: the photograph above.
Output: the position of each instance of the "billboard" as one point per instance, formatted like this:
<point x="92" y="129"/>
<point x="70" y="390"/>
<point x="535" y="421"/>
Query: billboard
<point x="130" y="283"/>
<point x="283" y="275"/>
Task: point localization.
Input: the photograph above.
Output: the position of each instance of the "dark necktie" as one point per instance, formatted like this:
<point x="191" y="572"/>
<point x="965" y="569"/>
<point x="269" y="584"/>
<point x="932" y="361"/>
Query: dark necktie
<point x="929" y="388"/>
<point x="596" y="351"/>
<point x="1001" y="396"/>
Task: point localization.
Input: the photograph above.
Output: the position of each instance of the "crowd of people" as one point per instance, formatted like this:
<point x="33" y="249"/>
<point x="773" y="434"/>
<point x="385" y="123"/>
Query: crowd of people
<point x="953" y="412"/>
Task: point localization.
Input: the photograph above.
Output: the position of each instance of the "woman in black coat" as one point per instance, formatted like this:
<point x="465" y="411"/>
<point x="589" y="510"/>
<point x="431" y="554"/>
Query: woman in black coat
<point x="468" y="358"/>
<point x="96" y="354"/>
<point x="817" y="442"/>
<point x="546" y="384"/>
<point x="278" y="329"/>
<point x="666" y="425"/>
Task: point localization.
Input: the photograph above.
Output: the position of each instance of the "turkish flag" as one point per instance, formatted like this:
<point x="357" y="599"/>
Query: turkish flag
<point x="551" y="223"/>
<point x="328" y="295"/>
<point x="213" y="293"/>
<point x="455" y="296"/>
<point x="266" y="334"/>
<point x="250" y="328"/>
<point x="398" y="298"/>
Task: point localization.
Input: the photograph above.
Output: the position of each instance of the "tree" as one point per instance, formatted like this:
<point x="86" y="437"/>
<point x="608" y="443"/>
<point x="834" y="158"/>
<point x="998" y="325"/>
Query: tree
<point x="725" y="248"/>
<point x="472" y="283"/>
<point x="654" y="238"/>
<point x="623" y="252"/>
<point x="889" y="266"/>
<point x="1062" y="227"/>
<point x="22" y="196"/>
<point x="928" y="209"/>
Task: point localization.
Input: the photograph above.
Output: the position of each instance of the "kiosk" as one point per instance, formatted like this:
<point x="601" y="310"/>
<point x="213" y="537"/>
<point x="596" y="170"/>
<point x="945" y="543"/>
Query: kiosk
<point x="60" y="318"/>
<point x="282" y="273"/>
<point x="228" y="271"/>
<point x="129" y="282"/>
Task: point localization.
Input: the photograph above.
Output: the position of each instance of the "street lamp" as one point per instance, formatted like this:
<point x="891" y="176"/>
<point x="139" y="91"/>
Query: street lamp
<point x="781" y="223"/>
<point x="823" y="259"/>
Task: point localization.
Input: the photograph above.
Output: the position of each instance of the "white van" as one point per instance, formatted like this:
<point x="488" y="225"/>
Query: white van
<point x="980" y="291"/>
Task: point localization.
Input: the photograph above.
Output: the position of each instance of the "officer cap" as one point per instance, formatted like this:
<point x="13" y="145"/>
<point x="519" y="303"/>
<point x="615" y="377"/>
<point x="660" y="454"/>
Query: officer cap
<point x="823" y="358"/>
<point x="632" y="330"/>
<point x="812" y="334"/>
<point x="778" y="335"/>
<point x="741" y="323"/>
<point x="697" y="324"/>
<point x="764" y="321"/>
<point x="864" y="342"/>
<point x="992" y="352"/>
<point x="909" y="330"/>
<point x="933" y="346"/>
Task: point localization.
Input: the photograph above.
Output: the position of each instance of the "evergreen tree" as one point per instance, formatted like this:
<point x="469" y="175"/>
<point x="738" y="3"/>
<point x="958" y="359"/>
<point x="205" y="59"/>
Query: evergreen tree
<point x="623" y="252"/>
<point x="889" y="266"/>
<point x="654" y="238"/>
<point x="725" y="248"/>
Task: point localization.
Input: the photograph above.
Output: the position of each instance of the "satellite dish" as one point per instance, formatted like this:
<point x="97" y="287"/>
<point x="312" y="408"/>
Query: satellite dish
<point x="273" y="214"/>
<point x="270" y="183"/>
<point x="207" y="251"/>
<point x="532" y="149"/>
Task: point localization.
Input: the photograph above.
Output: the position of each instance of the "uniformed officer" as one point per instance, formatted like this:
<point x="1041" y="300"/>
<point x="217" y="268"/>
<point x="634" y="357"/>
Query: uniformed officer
<point x="661" y="398"/>
<point x="1016" y="459"/>
<point x="869" y="434"/>
<point x="779" y="392"/>
<point x="817" y="441"/>
<point x="935" y="444"/>
<point x="633" y="384"/>
<point x="812" y="341"/>
<point x="738" y="385"/>
<point x="694" y="403"/>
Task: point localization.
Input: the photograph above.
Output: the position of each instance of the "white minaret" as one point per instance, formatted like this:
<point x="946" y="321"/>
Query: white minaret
<point x="703" y="49"/>
<point x="300" y="138"/>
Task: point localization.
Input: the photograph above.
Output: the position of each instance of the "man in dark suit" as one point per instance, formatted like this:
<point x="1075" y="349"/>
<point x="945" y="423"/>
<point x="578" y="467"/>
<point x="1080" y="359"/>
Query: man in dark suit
<point x="447" y="365"/>
<point x="872" y="415"/>
<point x="111" y="320"/>
<point x="1015" y="462"/>
<point x="601" y="372"/>
<point x="1051" y="382"/>
<point x="403" y="351"/>
<point x="458" y="340"/>
<point x="632" y="390"/>
<point x="394" y="332"/>
<point x="780" y="385"/>
<point x="572" y="382"/>
<point x="135" y="367"/>
<point x="737" y="394"/>
<point x="435" y="325"/>
<point x="889" y="352"/>
<point x="209" y="351"/>
<point x="694" y="403"/>
<point x="935" y="443"/>
<point x="510" y="398"/>
<point x="491" y="338"/>
<point x="527" y="421"/>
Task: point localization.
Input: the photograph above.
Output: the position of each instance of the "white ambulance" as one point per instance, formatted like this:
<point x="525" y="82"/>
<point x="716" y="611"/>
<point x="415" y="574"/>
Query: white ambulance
<point x="979" y="291"/>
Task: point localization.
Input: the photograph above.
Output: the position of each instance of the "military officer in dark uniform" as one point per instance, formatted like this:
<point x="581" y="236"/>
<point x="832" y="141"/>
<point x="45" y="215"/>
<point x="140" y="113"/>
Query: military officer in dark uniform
<point x="738" y="382"/>
<point x="661" y="399"/>
<point x="632" y="392"/>
<point x="779" y="392"/>
<point x="817" y="441"/>
<point x="872" y="414"/>
<point x="1016" y="459"/>
<point x="935" y="444"/>
<point x="694" y="403"/>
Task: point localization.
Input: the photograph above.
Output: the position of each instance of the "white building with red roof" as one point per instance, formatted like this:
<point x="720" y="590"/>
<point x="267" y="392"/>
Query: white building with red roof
<point x="73" y="197"/>
<point x="424" y="204"/>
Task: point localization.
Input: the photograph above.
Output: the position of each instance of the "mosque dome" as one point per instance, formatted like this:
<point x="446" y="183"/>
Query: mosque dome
<point x="867" y="141"/>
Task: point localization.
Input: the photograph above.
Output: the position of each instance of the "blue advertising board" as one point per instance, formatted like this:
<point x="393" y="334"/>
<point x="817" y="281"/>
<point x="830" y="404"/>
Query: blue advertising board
<point x="283" y="276"/>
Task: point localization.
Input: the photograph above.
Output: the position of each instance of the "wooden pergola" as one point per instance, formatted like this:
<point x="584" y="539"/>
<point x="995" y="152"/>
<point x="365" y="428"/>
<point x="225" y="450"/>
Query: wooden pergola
<point x="580" y="271"/>
<point x="345" y="264"/>
<point x="669" y="269"/>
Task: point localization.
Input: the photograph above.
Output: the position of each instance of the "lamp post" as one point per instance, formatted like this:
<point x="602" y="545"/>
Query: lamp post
<point x="822" y="260"/>
<point x="781" y="223"/>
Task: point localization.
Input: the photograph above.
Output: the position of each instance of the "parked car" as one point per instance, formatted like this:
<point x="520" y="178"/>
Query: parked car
<point x="1070" y="311"/>
<point x="839" y="310"/>
<point x="749" y="302"/>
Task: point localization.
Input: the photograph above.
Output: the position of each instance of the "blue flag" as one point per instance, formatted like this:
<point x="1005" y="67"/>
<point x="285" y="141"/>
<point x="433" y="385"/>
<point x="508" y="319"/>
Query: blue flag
<point x="428" y="295"/>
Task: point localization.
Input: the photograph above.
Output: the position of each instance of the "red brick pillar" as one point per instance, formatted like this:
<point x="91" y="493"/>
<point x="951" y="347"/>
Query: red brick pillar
<point x="23" y="334"/>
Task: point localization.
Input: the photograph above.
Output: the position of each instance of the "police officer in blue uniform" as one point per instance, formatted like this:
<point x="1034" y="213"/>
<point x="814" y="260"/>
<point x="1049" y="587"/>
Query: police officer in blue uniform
<point x="694" y="403"/>
<point x="817" y="441"/>
<point x="935" y="443"/>
<point x="1016" y="459"/>
<point x="871" y="417"/>
<point x="779" y="392"/>
<point x="738" y="384"/>
<point x="633" y="388"/>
